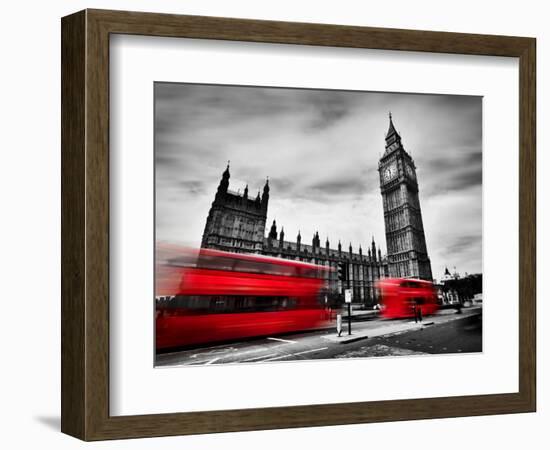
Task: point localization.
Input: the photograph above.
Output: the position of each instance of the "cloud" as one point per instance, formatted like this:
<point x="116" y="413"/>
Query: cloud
<point x="461" y="243"/>
<point x="337" y="187"/>
<point x="460" y="170"/>
<point x="193" y="186"/>
<point x="320" y="149"/>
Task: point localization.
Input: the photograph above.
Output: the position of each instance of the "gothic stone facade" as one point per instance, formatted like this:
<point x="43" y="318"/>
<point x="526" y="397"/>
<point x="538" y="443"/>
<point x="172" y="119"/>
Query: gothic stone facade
<point x="405" y="240"/>
<point x="237" y="223"/>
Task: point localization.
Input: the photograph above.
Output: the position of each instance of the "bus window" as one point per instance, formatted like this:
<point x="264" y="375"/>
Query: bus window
<point x="263" y="267"/>
<point x="308" y="272"/>
<point x="223" y="304"/>
<point x="216" y="262"/>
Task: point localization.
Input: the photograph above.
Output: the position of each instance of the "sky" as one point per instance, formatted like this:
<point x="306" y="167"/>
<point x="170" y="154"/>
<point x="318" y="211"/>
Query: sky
<point x="320" y="150"/>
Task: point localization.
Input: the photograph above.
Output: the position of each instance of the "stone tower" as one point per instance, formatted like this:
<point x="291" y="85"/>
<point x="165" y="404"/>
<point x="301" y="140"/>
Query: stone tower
<point x="236" y="223"/>
<point x="405" y="240"/>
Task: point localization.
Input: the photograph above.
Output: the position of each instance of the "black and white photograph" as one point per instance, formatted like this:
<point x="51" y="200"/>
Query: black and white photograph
<point x="259" y="226"/>
<point x="300" y="224"/>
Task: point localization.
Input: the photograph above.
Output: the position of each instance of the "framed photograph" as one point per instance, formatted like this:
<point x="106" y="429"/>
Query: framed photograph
<point x="273" y="225"/>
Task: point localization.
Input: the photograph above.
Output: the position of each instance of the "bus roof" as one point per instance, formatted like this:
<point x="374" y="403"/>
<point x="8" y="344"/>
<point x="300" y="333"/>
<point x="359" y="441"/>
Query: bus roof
<point x="171" y="252"/>
<point x="260" y="258"/>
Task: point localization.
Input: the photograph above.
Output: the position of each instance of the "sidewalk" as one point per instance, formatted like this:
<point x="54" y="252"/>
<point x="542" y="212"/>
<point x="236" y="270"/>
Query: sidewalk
<point x="374" y="332"/>
<point x="392" y="326"/>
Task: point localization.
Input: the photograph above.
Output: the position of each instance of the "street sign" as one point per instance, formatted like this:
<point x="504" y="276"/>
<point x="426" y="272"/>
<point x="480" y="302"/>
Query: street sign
<point x="348" y="295"/>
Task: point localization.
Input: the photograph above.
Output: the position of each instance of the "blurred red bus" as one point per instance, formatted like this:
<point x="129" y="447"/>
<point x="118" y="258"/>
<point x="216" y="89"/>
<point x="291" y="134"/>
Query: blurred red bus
<point x="223" y="296"/>
<point x="400" y="297"/>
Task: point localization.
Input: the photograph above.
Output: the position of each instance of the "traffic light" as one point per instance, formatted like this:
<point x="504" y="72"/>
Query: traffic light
<point x="342" y="271"/>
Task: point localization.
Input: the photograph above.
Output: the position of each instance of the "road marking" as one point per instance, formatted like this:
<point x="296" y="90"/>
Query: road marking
<point x="194" y="362"/>
<point x="282" y="340"/>
<point x="218" y="350"/>
<point x="258" y="357"/>
<point x="254" y="350"/>
<point x="295" y="354"/>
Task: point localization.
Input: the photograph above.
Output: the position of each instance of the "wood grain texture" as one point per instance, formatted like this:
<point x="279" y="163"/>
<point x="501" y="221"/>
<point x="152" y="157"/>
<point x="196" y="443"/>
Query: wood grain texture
<point x="73" y="226"/>
<point x="85" y="224"/>
<point x="527" y="225"/>
<point x="151" y="24"/>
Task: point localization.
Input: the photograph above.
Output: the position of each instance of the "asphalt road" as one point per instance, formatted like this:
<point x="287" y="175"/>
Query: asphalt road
<point x="462" y="335"/>
<point x="445" y="332"/>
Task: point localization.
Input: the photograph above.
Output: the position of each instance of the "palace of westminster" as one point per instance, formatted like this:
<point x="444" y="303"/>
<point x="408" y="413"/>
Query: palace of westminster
<point x="237" y="223"/>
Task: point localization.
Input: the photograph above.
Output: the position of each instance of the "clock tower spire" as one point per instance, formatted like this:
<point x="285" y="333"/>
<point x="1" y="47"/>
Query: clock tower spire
<point x="405" y="240"/>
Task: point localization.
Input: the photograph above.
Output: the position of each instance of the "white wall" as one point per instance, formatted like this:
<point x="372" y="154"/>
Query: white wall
<point x="30" y="229"/>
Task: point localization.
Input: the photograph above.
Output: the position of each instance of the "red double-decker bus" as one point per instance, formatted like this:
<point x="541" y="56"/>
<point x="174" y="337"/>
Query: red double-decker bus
<point x="206" y="296"/>
<point x="407" y="297"/>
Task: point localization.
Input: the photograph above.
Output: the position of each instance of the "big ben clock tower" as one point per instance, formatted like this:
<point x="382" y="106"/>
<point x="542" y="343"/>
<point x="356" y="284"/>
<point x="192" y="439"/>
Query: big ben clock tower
<point x="405" y="241"/>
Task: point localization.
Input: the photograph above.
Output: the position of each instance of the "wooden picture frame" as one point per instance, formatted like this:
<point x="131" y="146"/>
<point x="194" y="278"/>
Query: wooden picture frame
<point x="85" y="224"/>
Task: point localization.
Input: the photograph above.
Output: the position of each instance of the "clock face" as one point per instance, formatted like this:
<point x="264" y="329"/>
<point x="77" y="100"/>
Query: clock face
<point x="390" y="172"/>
